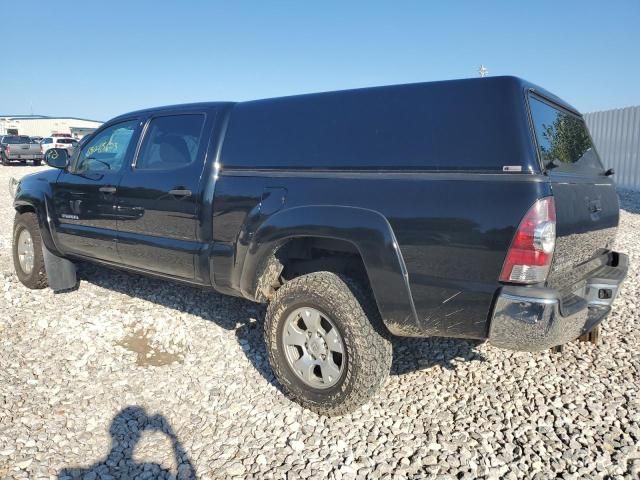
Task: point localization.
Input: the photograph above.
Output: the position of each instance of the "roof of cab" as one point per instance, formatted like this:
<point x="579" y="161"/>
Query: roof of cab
<point x="170" y="108"/>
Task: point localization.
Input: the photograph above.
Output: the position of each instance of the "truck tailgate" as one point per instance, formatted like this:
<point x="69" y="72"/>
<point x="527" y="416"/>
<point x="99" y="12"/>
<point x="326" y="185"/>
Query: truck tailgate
<point x="26" y="150"/>
<point x="586" y="202"/>
<point x="586" y="223"/>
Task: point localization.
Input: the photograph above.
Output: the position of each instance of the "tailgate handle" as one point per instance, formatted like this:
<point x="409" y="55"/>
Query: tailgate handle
<point x="595" y="207"/>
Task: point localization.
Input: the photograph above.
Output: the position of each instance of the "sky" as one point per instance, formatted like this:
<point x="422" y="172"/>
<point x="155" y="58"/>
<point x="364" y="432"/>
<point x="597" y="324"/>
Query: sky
<point x="98" y="59"/>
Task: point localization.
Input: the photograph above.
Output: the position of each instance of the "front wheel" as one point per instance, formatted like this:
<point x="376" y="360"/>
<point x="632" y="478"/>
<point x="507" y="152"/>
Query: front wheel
<point x="28" y="259"/>
<point x="327" y="345"/>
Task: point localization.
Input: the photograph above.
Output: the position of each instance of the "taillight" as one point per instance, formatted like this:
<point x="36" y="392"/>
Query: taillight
<point x="529" y="256"/>
<point x="41" y="149"/>
<point x="8" y="149"/>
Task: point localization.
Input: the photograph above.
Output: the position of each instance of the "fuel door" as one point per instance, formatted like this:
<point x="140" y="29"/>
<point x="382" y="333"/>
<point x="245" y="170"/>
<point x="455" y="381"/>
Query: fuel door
<point x="272" y="200"/>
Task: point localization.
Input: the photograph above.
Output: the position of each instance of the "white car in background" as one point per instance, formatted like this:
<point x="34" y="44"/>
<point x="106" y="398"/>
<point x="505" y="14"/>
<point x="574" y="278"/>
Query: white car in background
<point x="58" y="142"/>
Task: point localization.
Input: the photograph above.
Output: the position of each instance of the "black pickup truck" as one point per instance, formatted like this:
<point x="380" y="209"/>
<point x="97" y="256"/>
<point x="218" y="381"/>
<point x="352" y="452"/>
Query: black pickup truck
<point x="472" y="208"/>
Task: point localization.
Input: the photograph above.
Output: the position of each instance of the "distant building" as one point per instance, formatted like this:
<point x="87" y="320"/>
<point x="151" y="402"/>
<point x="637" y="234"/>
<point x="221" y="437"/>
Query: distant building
<point x="42" y="126"/>
<point x="616" y="135"/>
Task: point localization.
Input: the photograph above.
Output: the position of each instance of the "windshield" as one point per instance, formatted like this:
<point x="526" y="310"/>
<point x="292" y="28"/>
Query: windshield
<point x="16" y="140"/>
<point x="563" y="140"/>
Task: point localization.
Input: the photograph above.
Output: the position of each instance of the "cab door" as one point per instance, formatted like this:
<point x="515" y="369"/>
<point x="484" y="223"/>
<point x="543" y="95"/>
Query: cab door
<point x="158" y="196"/>
<point x="84" y="196"/>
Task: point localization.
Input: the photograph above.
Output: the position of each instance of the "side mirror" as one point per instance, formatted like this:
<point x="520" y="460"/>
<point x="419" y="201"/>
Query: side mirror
<point x="57" y="158"/>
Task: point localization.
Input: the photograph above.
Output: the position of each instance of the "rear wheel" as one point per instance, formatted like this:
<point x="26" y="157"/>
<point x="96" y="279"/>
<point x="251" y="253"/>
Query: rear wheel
<point x="37" y="163"/>
<point x="326" y="342"/>
<point x="5" y="160"/>
<point x="28" y="259"/>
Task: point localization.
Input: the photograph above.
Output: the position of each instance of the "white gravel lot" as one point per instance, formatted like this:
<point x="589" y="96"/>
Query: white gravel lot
<point x="129" y="377"/>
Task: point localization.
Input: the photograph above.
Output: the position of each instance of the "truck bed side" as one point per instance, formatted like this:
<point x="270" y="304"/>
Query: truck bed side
<point x="452" y="230"/>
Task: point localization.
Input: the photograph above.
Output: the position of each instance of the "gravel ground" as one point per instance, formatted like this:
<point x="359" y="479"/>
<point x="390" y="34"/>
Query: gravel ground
<point x="134" y="375"/>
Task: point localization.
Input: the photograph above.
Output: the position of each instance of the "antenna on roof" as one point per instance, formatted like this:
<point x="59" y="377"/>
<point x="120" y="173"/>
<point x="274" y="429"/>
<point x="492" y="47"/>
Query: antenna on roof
<point x="483" y="71"/>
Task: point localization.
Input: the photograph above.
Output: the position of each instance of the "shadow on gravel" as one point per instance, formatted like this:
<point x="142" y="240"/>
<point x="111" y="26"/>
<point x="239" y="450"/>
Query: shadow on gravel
<point x="411" y="354"/>
<point x="231" y="313"/>
<point x="126" y="430"/>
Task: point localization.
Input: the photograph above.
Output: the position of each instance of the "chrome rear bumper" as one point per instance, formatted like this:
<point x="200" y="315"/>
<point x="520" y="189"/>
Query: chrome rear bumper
<point x="533" y="319"/>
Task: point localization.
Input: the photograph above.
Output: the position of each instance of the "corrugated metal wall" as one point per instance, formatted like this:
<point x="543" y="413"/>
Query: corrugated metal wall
<point x="616" y="134"/>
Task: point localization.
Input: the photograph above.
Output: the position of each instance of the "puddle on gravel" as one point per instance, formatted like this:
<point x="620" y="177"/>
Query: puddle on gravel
<point x="140" y="343"/>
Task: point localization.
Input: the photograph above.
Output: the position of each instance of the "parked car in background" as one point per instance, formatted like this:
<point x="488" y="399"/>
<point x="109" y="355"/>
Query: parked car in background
<point x="68" y="144"/>
<point x="475" y="209"/>
<point x="19" y="148"/>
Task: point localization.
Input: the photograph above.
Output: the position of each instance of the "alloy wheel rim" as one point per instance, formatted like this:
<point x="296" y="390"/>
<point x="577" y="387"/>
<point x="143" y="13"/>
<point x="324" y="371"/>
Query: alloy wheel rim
<point x="25" y="251"/>
<point x="314" y="348"/>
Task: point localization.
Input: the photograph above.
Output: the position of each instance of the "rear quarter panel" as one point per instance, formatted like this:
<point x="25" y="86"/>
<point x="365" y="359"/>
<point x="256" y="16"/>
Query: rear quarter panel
<point x="453" y="231"/>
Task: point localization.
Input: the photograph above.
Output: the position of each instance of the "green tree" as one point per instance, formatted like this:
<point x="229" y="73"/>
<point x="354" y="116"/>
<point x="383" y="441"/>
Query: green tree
<point x="568" y="140"/>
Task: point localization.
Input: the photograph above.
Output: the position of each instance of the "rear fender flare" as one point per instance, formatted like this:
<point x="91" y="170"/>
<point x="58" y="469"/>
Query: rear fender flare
<point x="368" y="230"/>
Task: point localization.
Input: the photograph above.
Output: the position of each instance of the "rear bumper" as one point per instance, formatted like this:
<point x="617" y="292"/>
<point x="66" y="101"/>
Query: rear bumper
<point x="530" y="319"/>
<point x="26" y="156"/>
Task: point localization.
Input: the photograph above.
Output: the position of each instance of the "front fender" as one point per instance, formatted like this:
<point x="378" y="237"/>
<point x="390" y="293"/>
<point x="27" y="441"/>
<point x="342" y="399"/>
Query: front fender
<point x="33" y="193"/>
<point x="368" y="230"/>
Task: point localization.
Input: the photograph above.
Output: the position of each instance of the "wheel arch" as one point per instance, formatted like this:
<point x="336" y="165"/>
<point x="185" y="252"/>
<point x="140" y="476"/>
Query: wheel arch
<point x="37" y="204"/>
<point x="366" y="231"/>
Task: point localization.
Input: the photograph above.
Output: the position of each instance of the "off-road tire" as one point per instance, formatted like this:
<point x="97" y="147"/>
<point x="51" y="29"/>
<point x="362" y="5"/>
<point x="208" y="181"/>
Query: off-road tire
<point x="37" y="279"/>
<point x="353" y="311"/>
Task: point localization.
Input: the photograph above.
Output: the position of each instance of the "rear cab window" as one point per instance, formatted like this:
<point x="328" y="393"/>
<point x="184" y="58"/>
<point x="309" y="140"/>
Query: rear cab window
<point x="563" y="141"/>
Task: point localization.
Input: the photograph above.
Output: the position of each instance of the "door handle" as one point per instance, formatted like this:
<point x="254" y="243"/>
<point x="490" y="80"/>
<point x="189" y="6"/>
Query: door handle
<point x="108" y="189"/>
<point x="180" y="192"/>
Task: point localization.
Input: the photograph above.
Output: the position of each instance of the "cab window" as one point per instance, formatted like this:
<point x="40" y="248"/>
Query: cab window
<point x="170" y="142"/>
<point x="106" y="152"/>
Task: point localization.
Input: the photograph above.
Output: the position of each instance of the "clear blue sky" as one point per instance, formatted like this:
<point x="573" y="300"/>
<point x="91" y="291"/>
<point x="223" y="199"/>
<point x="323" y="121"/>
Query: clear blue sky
<point x="98" y="59"/>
